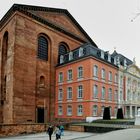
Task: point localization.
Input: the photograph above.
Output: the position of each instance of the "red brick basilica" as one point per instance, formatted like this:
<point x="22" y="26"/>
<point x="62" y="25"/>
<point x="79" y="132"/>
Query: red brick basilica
<point x="31" y="40"/>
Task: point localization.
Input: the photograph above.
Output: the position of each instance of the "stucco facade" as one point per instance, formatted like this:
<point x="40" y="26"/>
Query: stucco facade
<point x="84" y="86"/>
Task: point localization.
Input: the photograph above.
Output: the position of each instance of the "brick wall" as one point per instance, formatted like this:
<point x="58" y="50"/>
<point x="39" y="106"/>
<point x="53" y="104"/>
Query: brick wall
<point x="17" y="129"/>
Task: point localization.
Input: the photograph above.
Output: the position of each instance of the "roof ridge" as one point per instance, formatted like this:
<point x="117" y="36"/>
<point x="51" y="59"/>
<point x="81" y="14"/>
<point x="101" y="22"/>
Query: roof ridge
<point x="23" y="8"/>
<point x="38" y="8"/>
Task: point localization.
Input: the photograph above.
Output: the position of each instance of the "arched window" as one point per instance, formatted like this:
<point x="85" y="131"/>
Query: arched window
<point x="42" y="48"/>
<point x="41" y="81"/>
<point x="3" y="63"/>
<point x="63" y="49"/>
<point x="4" y="48"/>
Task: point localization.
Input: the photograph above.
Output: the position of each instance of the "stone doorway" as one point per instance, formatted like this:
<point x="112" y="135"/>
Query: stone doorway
<point x="40" y="115"/>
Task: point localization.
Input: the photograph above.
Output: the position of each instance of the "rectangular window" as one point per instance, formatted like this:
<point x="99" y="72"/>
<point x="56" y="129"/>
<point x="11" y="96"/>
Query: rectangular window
<point x="60" y="78"/>
<point x="95" y="91"/>
<point x="121" y="81"/>
<point x="116" y="78"/>
<point x="116" y="95"/>
<point x="128" y="95"/>
<point x="121" y="95"/>
<point x="102" y="110"/>
<point x="60" y="94"/>
<point x="110" y="76"/>
<point x="95" y="110"/>
<point x="95" y="71"/>
<point x="103" y="74"/>
<point x="60" y="111"/>
<point x="69" y="110"/>
<point x="80" y="91"/>
<point x="69" y="93"/>
<point x="80" y="72"/>
<point x="110" y="94"/>
<point x="69" y="75"/>
<point x="80" y="110"/>
<point x="103" y="93"/>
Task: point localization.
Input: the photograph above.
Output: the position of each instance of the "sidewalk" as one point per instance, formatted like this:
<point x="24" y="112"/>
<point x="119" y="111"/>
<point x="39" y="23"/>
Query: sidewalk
<point x="125" y="134"/>
<point x="68" y="135"/>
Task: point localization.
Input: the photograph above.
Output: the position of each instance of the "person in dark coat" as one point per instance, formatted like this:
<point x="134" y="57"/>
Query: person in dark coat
<point x="50" y="131"/>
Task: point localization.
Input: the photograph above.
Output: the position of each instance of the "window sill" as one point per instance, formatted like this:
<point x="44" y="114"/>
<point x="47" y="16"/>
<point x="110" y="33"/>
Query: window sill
<point x="80" y="78"/>
<point x="69" y="81"/>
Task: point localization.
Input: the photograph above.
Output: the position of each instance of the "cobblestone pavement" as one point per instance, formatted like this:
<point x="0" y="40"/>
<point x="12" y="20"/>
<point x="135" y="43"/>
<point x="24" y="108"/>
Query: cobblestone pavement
<point x="125" y="134"/>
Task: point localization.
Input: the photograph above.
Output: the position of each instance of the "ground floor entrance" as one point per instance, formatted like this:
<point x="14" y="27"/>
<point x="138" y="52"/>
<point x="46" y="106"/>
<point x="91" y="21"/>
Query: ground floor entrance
<point x="40" y="113"/>
<point x="130" y="111"/>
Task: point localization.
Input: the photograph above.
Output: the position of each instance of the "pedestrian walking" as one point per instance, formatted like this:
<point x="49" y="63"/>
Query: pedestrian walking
<point x="50" y="131"/>
<point x="62" y="130"/>
<point x="57" y="132"/>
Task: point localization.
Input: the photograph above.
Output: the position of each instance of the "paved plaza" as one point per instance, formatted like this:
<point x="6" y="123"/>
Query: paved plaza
<point x="126" y="134"/>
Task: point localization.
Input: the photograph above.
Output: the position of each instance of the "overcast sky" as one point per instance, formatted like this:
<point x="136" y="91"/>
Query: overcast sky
<point x="107" y="22"/>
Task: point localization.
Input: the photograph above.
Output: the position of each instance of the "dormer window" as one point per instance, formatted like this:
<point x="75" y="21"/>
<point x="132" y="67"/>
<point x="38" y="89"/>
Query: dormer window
<point x="102" y="54"/>
<point x="115" y="61"/>
<point x="109" y="57"/>
<point x="61" y="59"/>
<point x="125" y="63"/>
<point x="118" y="61"/>
<point x="70" y="55"/>
<point x="81" y="52"/>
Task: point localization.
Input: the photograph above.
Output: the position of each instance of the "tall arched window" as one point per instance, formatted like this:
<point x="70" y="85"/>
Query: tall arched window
<point x="42" y="48"/>
<point x="3" y="63"/>
<point x="4" y="48"/>
<point x="63" y="49"/>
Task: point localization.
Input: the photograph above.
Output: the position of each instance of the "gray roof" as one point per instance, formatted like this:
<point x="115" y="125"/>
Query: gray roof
<point x="121" y="57"/>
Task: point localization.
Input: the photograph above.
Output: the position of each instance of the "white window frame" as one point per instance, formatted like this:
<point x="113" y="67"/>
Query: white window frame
<point x="80" y="91"/>
<point x="69" y="75"/>
<point x="121" y="95"/>
<point x="60" y="79"/>
<point x="69" y="93"/>
<point x="60" y="110"/>
<point x="103" y="93"/>
<point x="95" y="91"/>
<point x="116" y="95"/>
<point x="80" y="72"/>
<point x="103" y="73"/>
<point x="95" y="71"/>
<point x="110" y="76"/>
<point x="116" y="78"/>
<point x="110" y="94"/>
<point x="95" y="110"/>
<point x="69" y="110"/>
<point x="80" y="110"/>
<point x="102" y="110"/>
<point x="60" y="94"/>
